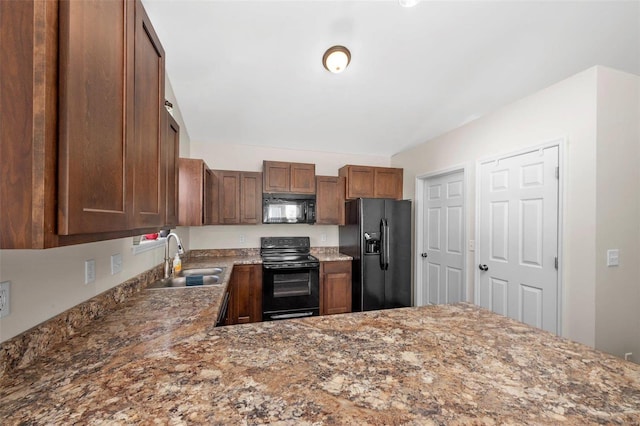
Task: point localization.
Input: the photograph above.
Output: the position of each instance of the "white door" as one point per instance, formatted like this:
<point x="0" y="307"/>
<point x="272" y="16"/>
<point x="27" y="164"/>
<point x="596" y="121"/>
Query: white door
<point x="518" y="230"/>
<point x="443" y="239"/>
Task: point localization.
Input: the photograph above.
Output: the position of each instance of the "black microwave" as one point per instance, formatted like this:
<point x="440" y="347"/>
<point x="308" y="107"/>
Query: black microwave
<point x="288" y="208"/>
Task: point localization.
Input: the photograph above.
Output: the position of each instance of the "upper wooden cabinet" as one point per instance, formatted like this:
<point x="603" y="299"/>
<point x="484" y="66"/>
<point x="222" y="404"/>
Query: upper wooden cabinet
<point x="329" y="200"/>
<point x="96" y="145"/>
<point x="149" y="188"/>
<point x="83" y="123"/>
<point x="195" y="186"/>
<point x="240" y="197"/>
<point x="372" y="182"/>
<point x="171" y="155"/>
<point x="283" y="177"/>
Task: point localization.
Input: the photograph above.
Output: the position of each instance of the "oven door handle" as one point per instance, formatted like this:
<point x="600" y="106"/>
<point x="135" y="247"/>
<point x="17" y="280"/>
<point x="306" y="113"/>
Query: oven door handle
<point x="304" y="267"/>
<point x="289" y="316"/>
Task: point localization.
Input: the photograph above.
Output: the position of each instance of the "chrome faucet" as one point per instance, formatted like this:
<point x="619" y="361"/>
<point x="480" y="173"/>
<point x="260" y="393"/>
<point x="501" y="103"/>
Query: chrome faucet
<point x="167" y="267"/>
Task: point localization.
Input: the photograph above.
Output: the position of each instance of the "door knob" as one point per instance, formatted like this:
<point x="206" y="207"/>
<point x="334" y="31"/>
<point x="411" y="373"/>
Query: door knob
<point x="424" y="255"/>
<point x="483" y="267"/>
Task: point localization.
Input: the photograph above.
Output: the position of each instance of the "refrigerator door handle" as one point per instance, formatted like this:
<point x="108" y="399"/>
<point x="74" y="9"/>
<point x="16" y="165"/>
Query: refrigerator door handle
<point x="382" y="244"/>
<point x="387" y="247"/>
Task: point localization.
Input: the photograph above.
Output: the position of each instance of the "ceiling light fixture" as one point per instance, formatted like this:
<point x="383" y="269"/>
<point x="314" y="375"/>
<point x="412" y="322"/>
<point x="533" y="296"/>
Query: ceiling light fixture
<point x="336" y="59"/>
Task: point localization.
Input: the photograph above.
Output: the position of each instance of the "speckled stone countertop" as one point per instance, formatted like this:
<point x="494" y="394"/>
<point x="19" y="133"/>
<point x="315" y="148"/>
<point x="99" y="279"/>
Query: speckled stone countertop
<point x="159" y="358"/>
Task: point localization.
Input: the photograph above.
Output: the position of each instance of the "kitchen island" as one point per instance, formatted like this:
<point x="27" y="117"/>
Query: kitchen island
<point x="160" y="358"/>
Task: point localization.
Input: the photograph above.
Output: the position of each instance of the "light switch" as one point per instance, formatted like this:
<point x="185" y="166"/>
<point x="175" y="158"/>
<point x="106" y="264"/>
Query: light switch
<point x="613" y="257"/>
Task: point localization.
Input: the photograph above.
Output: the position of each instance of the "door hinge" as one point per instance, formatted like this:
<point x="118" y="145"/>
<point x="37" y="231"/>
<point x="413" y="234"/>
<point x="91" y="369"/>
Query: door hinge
<point x="556" y="263"/>
<point x="557" y="172"/>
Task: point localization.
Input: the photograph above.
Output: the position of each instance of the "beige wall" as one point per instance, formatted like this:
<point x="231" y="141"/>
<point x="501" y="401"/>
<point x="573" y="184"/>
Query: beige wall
<point x="249" y="158"/>
<point x="45" y="283"/>
<point x="565" y="110"/>
<point x="597" y="113"/>
<point x="618" y="213"/>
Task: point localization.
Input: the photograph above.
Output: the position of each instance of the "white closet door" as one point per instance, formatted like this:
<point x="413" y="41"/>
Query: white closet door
<point x="518" y="246"/>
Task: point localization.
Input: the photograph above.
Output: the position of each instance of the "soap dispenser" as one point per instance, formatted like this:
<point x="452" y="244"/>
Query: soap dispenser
<point x="177" y="265"/>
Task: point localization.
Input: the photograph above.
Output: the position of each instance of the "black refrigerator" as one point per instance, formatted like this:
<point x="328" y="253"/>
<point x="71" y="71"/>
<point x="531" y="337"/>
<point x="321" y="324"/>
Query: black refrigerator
<point x="377" y="234"/>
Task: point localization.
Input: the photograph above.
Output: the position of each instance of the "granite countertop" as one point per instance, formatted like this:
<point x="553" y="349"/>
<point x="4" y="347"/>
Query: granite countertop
<point x="159" y="358"/>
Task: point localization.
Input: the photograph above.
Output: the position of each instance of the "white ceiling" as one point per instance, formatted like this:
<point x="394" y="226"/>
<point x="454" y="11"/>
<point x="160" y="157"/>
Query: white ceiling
<point x="250" y="72"/>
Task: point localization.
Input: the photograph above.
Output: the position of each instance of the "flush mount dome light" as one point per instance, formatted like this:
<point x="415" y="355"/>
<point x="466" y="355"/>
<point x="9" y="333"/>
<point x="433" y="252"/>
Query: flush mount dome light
<point x="336" y="59"/>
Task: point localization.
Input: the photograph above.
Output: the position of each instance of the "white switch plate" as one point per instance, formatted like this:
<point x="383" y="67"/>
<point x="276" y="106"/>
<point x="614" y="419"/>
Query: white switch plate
<point x="5" y="298"/>
<point x="472" y="245"/>
<point x="116" y="263"/>
<point x="613" y="257"/>
<point x="89" y="271"/>
<point x="242" y="238"/>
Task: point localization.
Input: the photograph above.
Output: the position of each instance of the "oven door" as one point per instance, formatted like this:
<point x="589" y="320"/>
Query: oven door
<point x="290" y="292"/>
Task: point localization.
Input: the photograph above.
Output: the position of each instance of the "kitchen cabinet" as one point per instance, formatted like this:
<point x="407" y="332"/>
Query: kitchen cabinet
<point x="245" y="298"/>
<point x="229" y="196"/>
<point x="372" y="182"/>
<point x="112" y="125"/>
<point x="197" y="187"/>
<point x="330" y="200"/>
<point x="83" y="123"/>
<point x="240" y="197"/>
<point x="335" y="283"/>
<point x="172" y="152"/>
<point x="284" y="177"/>
<point x="150" y="115"/>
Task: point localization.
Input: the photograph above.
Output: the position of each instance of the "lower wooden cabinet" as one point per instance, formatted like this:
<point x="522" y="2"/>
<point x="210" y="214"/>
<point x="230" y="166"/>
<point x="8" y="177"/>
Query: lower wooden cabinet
<point x="335" y="283"/>
<point x="245" y="298"/>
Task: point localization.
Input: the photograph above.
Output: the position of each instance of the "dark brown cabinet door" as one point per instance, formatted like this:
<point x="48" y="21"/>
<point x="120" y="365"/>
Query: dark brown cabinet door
<point x="211" y="212"/>
<point x="229" y="196"/>
<point x="284" y="177"/>
<point x="250" y="197"/>
<point x="336" y="287"/>
<point x="191" y="186"/>
<point x="28" y="127"/>
<point x="388" y="183"/>
<point x="172" y="147"/>
<point x="96" y="98"/>
<point x="149" y="124"/>
<point x="276" y="176"/>
<point x="303" y="178"/>
<point x="245" y="300"/>
<point x="329" y="200"/>
<point x="372" y="182"/>
<point x="359" y="181"/>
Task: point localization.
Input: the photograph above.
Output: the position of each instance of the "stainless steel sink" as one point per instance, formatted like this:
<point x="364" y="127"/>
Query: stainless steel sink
<point x="197" y="277"/>
<point x="202" y="271"/>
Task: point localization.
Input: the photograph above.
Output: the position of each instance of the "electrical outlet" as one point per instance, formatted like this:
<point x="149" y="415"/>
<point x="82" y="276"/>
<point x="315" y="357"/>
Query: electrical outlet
<point x="242" y="238"/>
<point x="89" y="271"/>
<point x="323" y="237"/>
<point x="5" y="298"/>
<point x="472" y="245"/>
<point x="613" y="257"/>
<point x="116" y="263"/>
